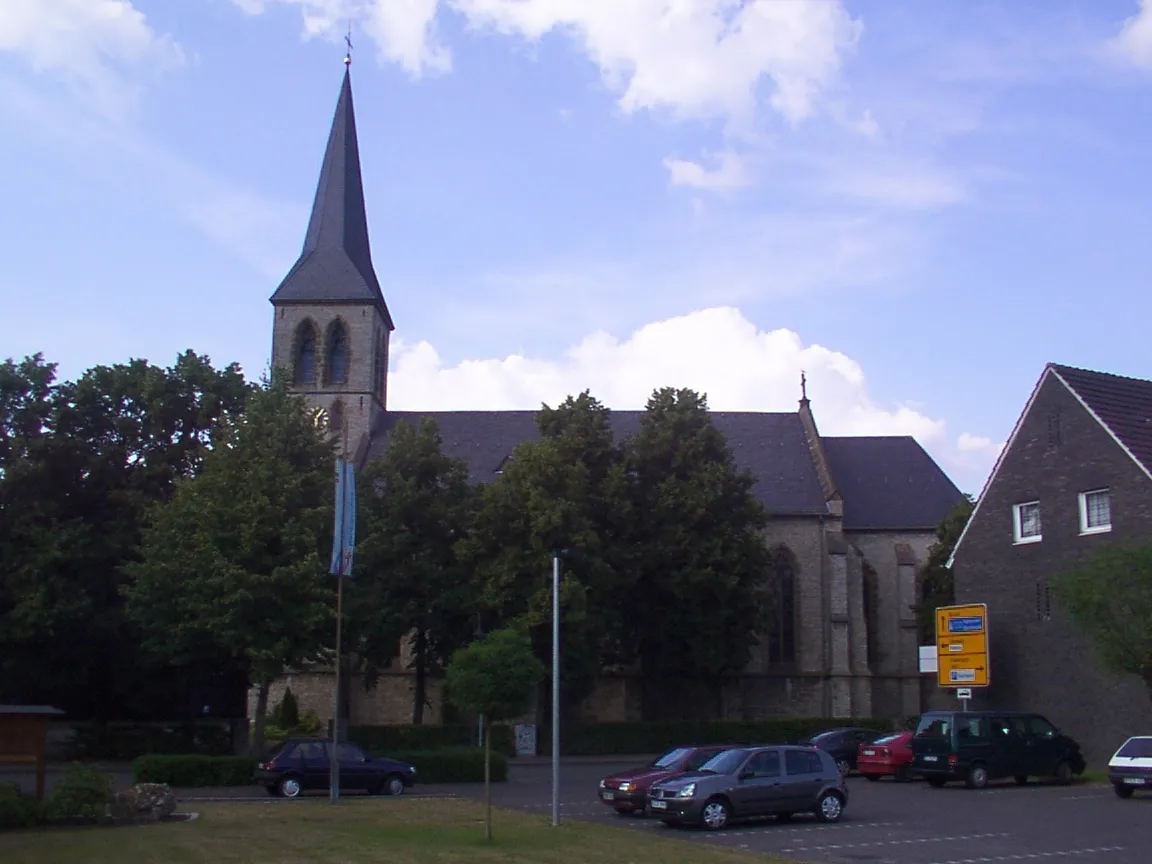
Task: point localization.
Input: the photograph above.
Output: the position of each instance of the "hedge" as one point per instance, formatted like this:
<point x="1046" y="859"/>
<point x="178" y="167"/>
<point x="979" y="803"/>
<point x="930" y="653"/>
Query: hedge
<point x="449" y="765"/>
<point x="452" y="764"/>
<point x="609" y="739"/>
<point x="132" y="740"/>
<point x="384" y="739"/>
<point x="190" y="771"/>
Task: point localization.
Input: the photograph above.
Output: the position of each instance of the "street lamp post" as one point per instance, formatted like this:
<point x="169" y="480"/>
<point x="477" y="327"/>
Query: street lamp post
<point x="570" y="555"/>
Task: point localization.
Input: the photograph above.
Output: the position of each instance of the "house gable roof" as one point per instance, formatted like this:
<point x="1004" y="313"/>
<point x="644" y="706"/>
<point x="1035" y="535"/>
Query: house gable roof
<point x="1123" y="406"/>
<point x="889" y="483"/>
<point x="770" y="445"/>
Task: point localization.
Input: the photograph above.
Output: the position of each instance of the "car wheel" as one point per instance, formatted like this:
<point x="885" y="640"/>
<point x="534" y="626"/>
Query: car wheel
<point x="272" y="790"/>
<point x="375" y="788"/>
<point x="394" y="785"/>
<point x="830" y="808"/>
<point x="1064" y="773"/>
<point x="1122" y="791"/>
<point x="1021" y="779"/>
<point x="715" y="814"/>
<point x="872" y="777"/>
<point x="936" y="782"/>
<point x="904" y="774"/>
<point x="289" y="787"/>
<point x="977" y="777"/>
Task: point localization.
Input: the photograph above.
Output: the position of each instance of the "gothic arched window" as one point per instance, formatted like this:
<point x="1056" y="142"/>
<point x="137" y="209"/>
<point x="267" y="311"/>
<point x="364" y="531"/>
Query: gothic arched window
<point x="337" y="354"/>
<point x="782" y="627"/>
<point x="305" y="354"/>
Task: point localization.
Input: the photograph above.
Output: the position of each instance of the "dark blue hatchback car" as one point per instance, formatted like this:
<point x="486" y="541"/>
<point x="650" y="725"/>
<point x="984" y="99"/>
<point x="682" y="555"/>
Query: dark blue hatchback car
<point x="300" y="764"/>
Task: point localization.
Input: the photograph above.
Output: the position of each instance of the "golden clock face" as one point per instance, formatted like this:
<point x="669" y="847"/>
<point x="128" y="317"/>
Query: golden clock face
<point x="320" y="418"/>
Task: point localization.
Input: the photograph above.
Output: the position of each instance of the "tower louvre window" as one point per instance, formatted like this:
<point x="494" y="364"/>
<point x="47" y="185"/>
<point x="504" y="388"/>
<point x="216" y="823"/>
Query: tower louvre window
<point x="337" y="354"/>
<point x="306" y="354"/>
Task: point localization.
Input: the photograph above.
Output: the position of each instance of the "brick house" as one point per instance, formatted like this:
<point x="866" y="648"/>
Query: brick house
<point x="853" y="518"/>
<point x="1074" y="475"/>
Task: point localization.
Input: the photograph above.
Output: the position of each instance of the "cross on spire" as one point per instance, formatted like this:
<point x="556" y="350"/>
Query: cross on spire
<point x="348" y="42"/>
<point x="803" y="385"/>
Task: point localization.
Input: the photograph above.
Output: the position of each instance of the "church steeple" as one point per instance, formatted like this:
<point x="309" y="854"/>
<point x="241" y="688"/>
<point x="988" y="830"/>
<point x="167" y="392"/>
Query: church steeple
<point x="335" y="265"/>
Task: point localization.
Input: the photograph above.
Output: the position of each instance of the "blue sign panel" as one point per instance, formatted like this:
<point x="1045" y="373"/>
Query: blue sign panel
<point x="968" y="624"/>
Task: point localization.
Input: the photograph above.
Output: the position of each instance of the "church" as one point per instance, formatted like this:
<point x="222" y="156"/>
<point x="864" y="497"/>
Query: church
<point x="852" y="518"/>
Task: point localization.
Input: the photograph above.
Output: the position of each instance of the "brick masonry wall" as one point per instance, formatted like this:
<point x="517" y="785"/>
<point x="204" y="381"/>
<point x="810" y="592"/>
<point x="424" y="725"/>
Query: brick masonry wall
<point x="896" y="689"/>
<point x="1039" y="660"/>
<point x="366" y="329"/>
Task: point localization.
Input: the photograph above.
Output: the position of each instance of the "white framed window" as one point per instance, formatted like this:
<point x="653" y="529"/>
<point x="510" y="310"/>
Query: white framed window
<point x="1095" y="511"/>
<point x="1026" y="522"/>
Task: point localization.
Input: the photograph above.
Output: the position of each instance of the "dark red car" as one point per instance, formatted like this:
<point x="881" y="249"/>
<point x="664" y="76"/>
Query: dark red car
<point x="627" y="791"/>
<point x="889" y="756"/>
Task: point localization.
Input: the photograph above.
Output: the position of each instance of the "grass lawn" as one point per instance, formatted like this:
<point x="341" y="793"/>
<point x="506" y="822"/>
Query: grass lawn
<point x="398" y="831"/>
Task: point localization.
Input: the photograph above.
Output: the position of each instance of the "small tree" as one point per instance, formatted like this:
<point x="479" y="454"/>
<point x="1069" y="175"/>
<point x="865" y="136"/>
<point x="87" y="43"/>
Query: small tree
<point x="1110" y="597"/>
<point x="938" y="588"/>
<point x="495" y="676"/>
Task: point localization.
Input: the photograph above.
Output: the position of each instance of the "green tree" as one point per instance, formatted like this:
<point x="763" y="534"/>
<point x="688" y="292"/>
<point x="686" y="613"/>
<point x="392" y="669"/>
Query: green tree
<point x="559" y="492"/>
<point x="234" y="566"/>
<point x="410" y="583"/>
<point x="694" y="547"/>
<point x="937" y="586"/>
<point x="494" y="676"/>
<point x="1109" y="596"/>
<point x="80" y="463"/>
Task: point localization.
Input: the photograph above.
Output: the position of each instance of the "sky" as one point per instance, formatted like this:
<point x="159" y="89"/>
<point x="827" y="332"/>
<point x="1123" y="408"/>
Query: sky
<point x="918" y="203"/>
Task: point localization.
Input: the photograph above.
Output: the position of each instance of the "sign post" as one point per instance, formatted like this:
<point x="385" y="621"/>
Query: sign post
<point x="962" y="649"/>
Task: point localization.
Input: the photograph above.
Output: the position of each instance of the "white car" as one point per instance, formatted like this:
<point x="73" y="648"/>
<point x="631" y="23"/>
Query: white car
<point x="1131" y="768"/>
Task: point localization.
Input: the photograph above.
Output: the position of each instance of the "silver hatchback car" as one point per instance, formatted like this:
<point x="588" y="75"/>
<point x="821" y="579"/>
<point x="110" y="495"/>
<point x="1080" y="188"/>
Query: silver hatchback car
<point x="748" y="782"/>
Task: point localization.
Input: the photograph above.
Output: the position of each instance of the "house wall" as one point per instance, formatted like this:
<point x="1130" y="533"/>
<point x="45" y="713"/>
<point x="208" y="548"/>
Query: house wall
<point x="1039" y="661"/>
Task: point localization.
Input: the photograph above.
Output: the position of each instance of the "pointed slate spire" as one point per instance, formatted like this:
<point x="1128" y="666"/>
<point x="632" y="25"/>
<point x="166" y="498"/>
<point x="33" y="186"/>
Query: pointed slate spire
<point x="335" y="265"/>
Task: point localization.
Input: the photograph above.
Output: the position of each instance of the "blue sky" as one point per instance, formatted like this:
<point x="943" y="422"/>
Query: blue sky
<point x="919" y="202"/>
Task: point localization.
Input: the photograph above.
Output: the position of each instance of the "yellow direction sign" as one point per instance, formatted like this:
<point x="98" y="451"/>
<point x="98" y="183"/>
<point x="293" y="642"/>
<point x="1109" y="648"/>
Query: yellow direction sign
<point x="962" y="646"/>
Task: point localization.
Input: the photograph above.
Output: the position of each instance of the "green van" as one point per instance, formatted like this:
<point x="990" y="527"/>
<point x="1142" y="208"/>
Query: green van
<point x="980" y="746"/>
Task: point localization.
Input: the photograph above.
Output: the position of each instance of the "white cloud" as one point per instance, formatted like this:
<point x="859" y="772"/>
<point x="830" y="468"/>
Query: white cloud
<point x="731" y="173"/>
<point x="977" y="444"/>
<point x="697" y="58"/>
<point x="912" y="185"/>
<point x="86" y="42"/>
<point x="717" y="351"/>
<point x="1134" y="42"/>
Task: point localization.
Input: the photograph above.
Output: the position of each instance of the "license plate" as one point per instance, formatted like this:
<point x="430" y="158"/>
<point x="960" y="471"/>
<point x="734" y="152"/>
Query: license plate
<point x="609" y="796"/>
<point x="869" y="752"/>
<point x="1134" y="781"/>
<point x="659" y="805"/>
<point x="929" y="758"/>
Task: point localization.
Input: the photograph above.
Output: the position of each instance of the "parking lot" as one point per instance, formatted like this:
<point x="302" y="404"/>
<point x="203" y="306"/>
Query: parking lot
<point x="890" y="823"/>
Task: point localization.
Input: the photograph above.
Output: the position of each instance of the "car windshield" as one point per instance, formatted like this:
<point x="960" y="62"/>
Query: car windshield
<point x="724" y="763"/>
<point x="888" y="739"/>
<point x="1136" y="748"/>
<point x="934" y="727"/>
<point x="671" y="757"/>
<point x="824" y="737"/>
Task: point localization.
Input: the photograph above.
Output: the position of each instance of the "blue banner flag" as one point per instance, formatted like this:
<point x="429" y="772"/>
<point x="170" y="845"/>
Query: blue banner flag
<point x="344" y="529"/>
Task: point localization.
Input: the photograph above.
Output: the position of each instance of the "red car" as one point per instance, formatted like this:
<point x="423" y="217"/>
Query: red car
<point x="627" y="791"/>
<point x="887" y="756"/>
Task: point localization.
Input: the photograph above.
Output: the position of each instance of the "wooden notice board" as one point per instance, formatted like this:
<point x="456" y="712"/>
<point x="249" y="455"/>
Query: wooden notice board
<point x="24" y="737"/>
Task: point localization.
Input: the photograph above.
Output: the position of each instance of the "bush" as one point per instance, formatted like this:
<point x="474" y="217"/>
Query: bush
<point x="308" y="726"/>
<point x="452" y="764"/>
<point x="16" y="810"/>
<point x="129" y="741"/>
<point x="287" y="713"/>
<point x="610" y="739"/>
<point x="192" y="771"/>
<point x="382" y="739"/>
<point x="84" y="794"/>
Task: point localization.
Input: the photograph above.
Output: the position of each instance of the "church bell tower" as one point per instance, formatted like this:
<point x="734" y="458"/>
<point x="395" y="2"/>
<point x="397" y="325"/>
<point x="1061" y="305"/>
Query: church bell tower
<point x="331" y="325"/>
